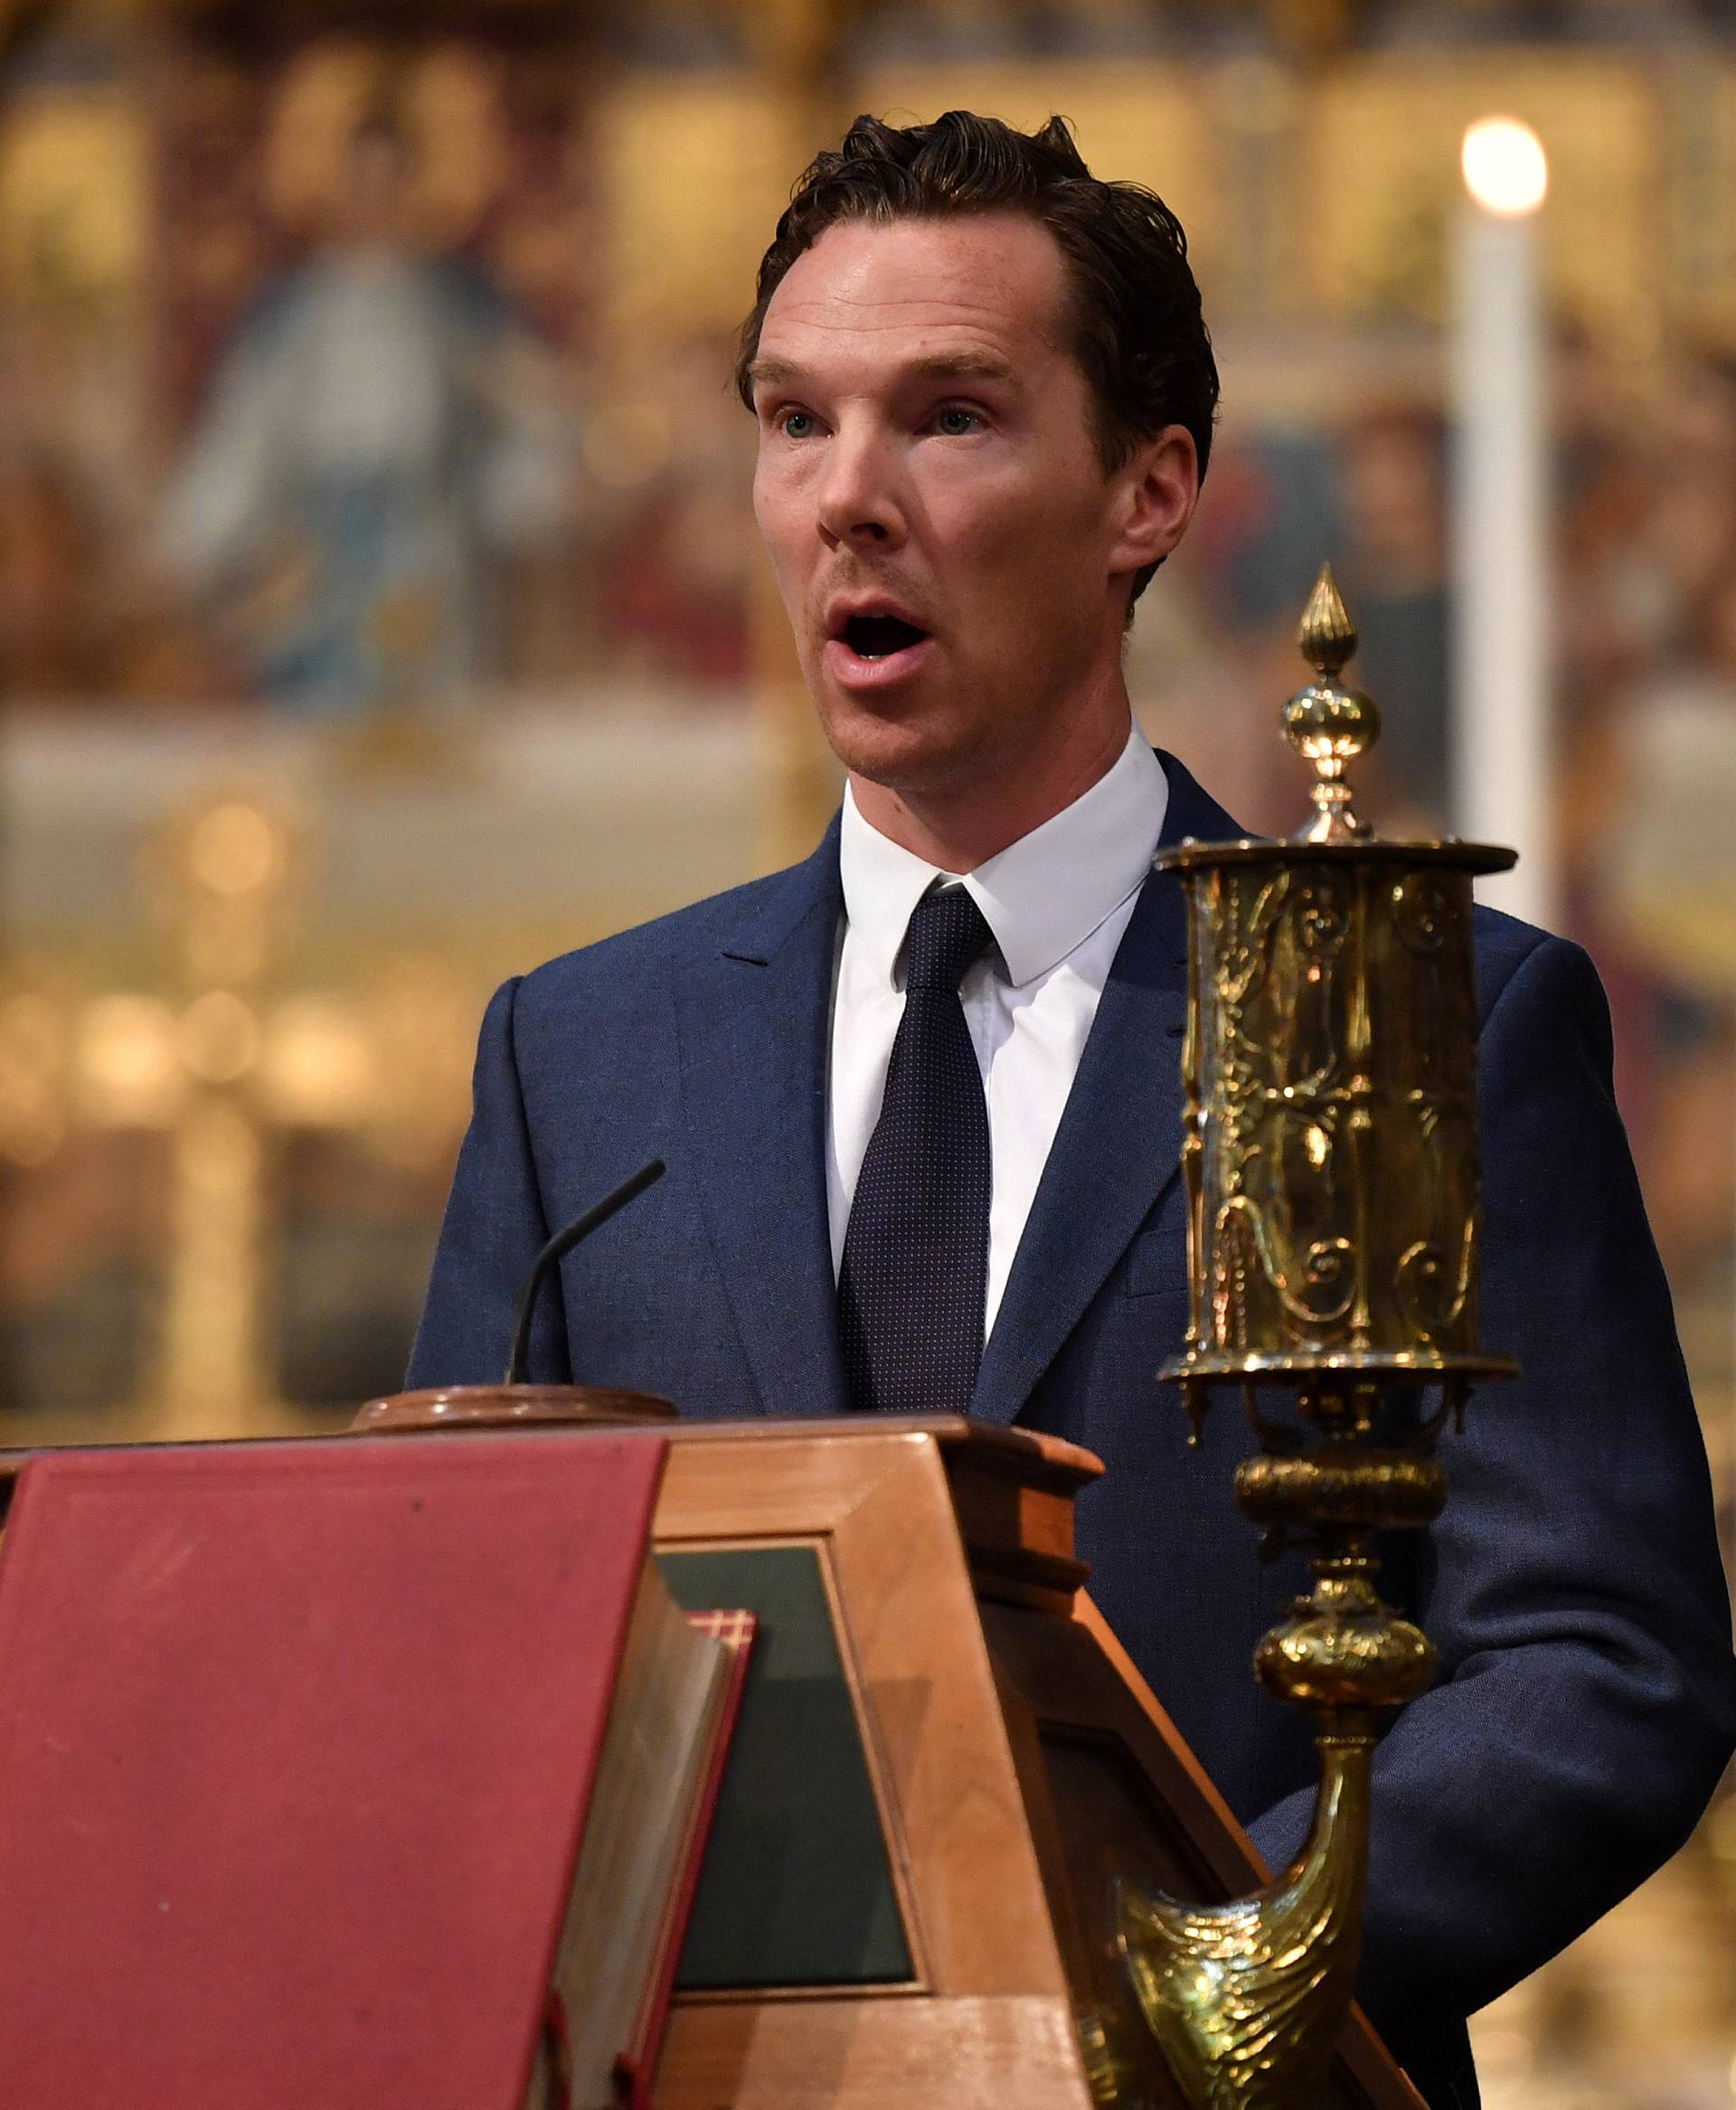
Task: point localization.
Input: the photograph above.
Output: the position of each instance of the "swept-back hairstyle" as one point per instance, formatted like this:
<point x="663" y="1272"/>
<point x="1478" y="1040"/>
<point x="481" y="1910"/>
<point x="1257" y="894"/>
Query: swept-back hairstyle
<point x="1134" y="310"/>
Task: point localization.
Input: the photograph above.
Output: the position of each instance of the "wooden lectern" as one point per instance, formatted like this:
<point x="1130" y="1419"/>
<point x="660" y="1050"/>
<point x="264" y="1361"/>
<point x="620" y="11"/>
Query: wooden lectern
<point x="945" y="1761"/>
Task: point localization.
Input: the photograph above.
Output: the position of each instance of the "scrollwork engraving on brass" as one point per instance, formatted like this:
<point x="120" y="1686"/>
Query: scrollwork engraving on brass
<point x="1332" y="1125"/>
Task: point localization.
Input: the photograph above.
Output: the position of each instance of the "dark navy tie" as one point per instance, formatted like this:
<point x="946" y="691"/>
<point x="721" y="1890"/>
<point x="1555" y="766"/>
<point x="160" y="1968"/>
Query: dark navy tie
<point x="913" y="1287"/>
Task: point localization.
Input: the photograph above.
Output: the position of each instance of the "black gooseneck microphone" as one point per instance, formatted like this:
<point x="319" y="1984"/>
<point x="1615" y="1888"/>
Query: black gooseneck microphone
<point x="563" y="1243"/>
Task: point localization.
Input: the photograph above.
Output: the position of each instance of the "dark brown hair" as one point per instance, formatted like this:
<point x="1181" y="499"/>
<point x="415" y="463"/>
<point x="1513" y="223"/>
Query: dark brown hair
<point x="1137" y="327"/>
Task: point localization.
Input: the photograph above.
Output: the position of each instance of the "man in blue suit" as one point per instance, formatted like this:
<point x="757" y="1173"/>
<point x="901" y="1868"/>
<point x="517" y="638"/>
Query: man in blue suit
<point x="920" y="1096"/>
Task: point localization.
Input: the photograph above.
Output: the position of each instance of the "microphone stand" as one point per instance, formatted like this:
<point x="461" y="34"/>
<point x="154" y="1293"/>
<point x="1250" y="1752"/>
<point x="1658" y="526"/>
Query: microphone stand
<point x="515" y="1402"/>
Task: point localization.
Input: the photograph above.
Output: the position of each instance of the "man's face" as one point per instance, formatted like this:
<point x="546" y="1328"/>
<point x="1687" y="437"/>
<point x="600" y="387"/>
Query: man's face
<point x="954" y="560"/>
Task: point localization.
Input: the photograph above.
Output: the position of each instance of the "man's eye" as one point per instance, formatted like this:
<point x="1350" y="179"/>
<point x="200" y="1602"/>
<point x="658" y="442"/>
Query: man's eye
<point x="795" y="424"/>
<point x="955" y="421"/>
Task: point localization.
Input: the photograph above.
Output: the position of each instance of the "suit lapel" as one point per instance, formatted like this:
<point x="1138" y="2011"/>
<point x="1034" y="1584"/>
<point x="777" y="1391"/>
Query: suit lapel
<point x="1118" y="1145"/>
<point x="753" y="1025"/>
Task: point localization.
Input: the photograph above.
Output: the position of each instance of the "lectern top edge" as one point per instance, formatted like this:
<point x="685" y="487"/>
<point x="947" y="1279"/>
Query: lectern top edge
<point x="1026" y="1451"/>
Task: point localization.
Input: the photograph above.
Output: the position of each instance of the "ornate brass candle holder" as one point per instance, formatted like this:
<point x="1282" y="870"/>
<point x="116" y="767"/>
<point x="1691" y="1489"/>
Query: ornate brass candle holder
<point x="1330" y="1161"/>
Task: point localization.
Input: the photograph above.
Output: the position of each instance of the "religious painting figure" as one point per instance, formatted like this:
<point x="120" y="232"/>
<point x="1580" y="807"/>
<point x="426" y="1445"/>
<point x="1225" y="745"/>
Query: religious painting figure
<point x="380" y="438"/>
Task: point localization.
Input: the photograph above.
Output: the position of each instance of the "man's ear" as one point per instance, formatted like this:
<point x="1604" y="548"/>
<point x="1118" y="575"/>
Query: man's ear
<point x="1156" y="492"/>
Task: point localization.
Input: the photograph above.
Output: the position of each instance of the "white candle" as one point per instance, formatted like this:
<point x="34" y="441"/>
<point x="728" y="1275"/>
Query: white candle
<point x="1502" y="773"/>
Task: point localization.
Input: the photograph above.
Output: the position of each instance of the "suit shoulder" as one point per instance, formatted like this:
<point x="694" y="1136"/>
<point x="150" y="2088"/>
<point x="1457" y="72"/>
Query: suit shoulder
<point x="1541" y="992"/>
<point x="1508" y="950"/>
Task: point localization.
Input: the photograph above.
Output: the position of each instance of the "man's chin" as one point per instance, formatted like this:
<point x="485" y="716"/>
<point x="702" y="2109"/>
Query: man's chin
<point x="902" y="749"/>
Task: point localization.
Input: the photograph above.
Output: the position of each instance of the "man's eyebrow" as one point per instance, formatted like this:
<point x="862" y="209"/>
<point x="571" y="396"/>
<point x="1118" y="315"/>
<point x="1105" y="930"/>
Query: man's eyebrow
<point x="939" y="366"/>
<point x="963" y="366"/>
<point x="775" y="371"/>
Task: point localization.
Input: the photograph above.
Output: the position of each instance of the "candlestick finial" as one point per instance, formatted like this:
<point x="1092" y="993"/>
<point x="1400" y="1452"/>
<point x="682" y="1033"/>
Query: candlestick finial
<point x="1328" y="724"/>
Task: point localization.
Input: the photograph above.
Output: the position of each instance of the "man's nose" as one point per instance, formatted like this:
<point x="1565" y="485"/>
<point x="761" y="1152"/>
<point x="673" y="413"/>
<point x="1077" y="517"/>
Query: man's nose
<point x="859" y="502"/>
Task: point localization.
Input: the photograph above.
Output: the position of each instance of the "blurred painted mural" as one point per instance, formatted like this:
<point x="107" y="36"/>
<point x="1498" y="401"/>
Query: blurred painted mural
<point x="380" y="612"/>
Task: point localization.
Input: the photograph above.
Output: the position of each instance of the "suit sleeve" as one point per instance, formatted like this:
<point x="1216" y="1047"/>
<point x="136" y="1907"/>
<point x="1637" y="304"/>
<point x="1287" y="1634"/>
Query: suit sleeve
<point x="1586" y="1704"/>
<point x="494" y="1228"/>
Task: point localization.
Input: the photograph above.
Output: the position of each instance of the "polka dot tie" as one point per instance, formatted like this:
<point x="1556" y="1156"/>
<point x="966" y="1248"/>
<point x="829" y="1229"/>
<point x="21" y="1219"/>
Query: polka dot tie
<point x="913" y="1286"/>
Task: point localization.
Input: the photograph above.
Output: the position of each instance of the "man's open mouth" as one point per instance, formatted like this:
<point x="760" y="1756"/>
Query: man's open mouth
<point x="879" y="637"/>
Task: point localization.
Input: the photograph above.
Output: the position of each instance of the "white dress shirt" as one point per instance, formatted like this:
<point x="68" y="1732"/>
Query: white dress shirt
<point x="1058" y="901"/>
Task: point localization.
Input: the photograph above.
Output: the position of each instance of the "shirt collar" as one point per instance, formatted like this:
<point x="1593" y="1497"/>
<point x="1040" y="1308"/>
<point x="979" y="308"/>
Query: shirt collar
<point x="1041" y="896"/>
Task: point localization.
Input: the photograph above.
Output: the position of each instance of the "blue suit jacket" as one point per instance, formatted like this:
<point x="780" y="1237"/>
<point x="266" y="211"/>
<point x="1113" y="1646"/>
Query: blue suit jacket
<point x="1586" y="1701"/>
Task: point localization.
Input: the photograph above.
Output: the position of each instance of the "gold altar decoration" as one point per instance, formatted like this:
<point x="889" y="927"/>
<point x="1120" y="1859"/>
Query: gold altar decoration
<point x="1330" y="1169"/>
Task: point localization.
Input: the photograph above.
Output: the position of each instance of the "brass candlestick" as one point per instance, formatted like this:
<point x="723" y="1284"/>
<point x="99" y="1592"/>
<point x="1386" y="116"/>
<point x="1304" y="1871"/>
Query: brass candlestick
<point x="1330" y="1162"/>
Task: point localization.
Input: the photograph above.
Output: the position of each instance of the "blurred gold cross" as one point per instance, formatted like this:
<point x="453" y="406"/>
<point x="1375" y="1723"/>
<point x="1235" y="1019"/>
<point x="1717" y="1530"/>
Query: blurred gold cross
<point x="218" y="1068"/>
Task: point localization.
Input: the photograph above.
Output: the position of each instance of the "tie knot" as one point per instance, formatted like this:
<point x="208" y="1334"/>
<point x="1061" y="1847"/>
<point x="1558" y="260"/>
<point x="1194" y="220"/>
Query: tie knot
<point x="947" y="934"/>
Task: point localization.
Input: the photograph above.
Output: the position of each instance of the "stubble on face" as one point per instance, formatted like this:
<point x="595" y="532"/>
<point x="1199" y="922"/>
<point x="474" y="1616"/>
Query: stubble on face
<point x="926" y="448"/>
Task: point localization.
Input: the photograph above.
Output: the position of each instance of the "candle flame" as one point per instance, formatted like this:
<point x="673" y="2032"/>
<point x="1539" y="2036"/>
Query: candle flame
<point x="1506" y="168"/>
